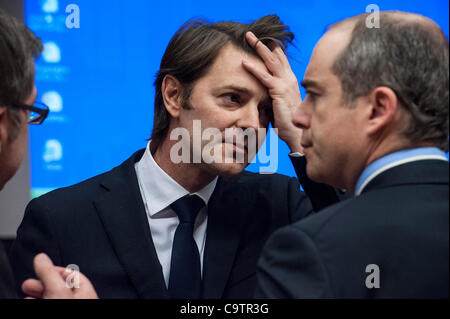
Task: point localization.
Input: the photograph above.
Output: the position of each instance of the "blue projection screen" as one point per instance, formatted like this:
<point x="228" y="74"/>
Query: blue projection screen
<point x="98" y="78"/>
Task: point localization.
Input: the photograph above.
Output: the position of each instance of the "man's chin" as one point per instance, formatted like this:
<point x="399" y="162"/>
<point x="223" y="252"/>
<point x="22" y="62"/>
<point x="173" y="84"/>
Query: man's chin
<point x="227" y="169"/>
<point x="319" y="175"/>
<point x="313" y="173"/>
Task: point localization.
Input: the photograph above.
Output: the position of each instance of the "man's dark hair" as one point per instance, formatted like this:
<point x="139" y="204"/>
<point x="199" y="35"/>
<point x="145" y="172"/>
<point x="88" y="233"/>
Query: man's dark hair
<point x="194" y="48"/>
<point x="18" y="48"/>
<point x="410" y="54"/>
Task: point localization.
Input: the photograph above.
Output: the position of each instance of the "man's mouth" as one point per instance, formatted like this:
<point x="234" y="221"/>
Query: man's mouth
<point x="306" y="144"/>
<point x="238" y="147"/>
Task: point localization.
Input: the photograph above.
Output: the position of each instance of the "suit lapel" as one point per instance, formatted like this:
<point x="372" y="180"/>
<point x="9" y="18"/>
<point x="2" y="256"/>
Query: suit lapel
<point x="225" y="220"/>
<point x="122" y="212"/>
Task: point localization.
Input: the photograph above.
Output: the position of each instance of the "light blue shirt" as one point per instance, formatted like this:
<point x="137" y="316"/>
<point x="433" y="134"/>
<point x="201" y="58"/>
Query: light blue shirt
<point x="394" y="159"/>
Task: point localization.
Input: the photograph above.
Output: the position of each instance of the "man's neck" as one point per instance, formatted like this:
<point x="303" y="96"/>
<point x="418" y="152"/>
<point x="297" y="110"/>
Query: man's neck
<point x="188" y="175"/>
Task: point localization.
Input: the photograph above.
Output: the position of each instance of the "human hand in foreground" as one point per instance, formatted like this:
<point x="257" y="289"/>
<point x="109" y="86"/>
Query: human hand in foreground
<point x="57" y="282"/>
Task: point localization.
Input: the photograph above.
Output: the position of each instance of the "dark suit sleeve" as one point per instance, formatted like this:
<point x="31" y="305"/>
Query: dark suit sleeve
<point x="35" y="235"/>
<point x="291" y="267"/>
<point x="320" y="195"/>
<point x="299" y="204"/>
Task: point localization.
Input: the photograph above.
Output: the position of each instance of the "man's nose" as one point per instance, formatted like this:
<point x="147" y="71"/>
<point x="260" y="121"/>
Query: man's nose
<point x="301" y="118"/>
<point x="249" y="117"/>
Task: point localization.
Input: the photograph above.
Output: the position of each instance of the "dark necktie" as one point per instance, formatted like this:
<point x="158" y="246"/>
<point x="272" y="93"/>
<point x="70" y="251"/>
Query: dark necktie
<point x="185" y="273"/>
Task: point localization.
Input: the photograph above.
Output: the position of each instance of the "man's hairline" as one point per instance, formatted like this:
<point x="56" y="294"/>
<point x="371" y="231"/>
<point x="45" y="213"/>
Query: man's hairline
<point x="193" y="84"/>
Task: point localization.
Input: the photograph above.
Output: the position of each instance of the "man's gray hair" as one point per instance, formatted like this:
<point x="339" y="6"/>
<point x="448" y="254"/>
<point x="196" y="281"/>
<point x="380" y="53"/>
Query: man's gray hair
<point x="410" y="54"/>
<point x="18" y="48"/>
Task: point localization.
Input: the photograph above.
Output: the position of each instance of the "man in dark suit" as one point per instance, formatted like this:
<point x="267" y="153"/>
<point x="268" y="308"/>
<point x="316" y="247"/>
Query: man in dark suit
<point x="102" y="226"/>
<point x="158" y="226"/>
<point x="375" y="122"/>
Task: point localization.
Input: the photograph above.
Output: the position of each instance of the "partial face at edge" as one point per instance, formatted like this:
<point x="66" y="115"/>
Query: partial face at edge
<point x="12" y="152"/>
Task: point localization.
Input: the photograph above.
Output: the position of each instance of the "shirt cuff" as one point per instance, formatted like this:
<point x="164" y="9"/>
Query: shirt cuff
<point x="296" y="154"/>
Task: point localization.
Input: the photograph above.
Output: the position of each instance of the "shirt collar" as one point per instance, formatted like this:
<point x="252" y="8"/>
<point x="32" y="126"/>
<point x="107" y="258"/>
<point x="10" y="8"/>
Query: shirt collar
<point x="161" y="190"/>
<point x="394" y="159"/>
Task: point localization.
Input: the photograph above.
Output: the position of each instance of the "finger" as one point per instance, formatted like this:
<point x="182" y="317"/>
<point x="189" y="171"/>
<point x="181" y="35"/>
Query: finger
<point x="62" y="271"/>
<point x="270" y="59"/>
<point x="75" y="275"/>
<point x="47" y="273"/>
<point x="33" y="287"/>
<point x="262" y="75"/>
<point x="251" y="38"/>
<point x="278" y="51"/>
<point x="66" y="272"/>
<point x="29" y="298"/>
<point x="86" y="290"/>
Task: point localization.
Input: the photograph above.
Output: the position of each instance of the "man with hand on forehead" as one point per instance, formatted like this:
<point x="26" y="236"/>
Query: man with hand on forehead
<point x="154" y="227"/>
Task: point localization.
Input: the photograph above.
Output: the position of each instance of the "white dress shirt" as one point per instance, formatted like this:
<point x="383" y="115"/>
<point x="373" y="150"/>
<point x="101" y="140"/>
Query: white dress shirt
<point x="159" y="191"/>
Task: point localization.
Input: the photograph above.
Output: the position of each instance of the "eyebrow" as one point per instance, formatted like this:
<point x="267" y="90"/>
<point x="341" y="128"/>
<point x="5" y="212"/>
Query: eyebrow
<point x="310" y="83"/>
<point x="235" y="88"/>
<point x="243" y="90"/>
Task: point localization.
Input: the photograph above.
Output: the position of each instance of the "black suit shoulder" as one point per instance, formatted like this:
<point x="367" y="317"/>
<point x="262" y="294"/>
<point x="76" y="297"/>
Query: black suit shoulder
<point x="278" y="193"/>
<point x="275" y="186"/>
<point x="72" y="224"/>
<point x="71" y="195"/>
<point x="402" y="227"/>
<point x="56" y="223"/>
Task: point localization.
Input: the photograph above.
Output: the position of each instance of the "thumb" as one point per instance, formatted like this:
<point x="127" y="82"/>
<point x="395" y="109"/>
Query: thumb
<point x="47" y="273"/>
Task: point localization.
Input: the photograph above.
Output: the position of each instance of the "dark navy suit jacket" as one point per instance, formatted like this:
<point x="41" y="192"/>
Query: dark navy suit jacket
<point x="101" y="226"/>
<point x="400" y="223"/>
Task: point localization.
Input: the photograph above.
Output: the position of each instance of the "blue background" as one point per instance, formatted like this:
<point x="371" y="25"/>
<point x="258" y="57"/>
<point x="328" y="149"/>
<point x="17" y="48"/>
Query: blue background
<point x="107" y="67"/>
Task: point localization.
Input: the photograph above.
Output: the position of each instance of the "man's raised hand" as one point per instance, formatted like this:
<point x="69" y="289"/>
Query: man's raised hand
<point x="283" y="88"/>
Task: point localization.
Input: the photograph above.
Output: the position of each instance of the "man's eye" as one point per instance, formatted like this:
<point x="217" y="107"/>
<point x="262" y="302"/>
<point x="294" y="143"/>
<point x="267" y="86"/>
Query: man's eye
<point x="233" y="98"/>
<point x="265" y="110"/>
<point x="311" y="95"/>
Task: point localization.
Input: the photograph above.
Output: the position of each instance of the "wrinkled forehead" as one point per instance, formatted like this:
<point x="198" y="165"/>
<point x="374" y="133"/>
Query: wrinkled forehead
<point x="227" y="69"/>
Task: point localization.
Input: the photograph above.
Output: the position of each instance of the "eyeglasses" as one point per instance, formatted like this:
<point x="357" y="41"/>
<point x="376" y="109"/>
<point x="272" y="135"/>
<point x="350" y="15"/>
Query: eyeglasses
<point x="38" y="112"/>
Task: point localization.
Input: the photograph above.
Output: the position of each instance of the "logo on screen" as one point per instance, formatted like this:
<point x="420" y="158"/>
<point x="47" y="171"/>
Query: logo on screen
<point x="49" y="6"/>
<point x="53" y="100"/>
<point x="53" y="151"/>
<point x="51" y="53"/>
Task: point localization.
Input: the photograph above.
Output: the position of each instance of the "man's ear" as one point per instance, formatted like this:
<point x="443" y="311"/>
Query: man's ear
<point x="171" y="90"/>
<point x="383" y="108"/>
